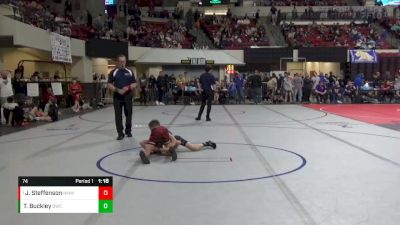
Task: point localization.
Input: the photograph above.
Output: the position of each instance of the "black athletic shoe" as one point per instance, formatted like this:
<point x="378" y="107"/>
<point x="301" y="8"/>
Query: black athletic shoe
<point x="144" y="158"/>
<point x="198" y="118"/>
<point x="174" y="155"/>
<point x="120" y="137"/>
<point x="208" y="119"/>
<point x="211" y="144"/>
<point x="178" y="138"/>
<point x="129" y="135"/>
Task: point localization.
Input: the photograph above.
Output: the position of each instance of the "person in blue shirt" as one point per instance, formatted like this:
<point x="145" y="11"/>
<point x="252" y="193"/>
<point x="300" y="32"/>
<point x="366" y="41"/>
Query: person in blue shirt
<point x="207" y="85"/>
<point x="240" y="82"/>
<point x="321" y="92"/>
<point x="122" y="82"/>
<point x="359" y="80"/>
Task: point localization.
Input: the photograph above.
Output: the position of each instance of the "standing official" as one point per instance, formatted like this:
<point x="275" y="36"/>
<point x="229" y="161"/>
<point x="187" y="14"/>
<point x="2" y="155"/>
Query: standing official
<point x="121" y="81"/>
<point x="207" y="82"/>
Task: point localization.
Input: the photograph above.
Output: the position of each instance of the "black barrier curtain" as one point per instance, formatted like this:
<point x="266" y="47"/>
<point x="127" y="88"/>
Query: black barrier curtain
<point x="266" y="55"/>
<point x="106" y="48"/>
<point x="320" y="54"/>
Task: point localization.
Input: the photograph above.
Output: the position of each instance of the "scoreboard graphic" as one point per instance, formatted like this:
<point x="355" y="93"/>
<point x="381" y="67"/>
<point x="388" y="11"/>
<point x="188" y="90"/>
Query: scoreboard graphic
<point x="65" y="195"/>
<point x="390" y="2"/>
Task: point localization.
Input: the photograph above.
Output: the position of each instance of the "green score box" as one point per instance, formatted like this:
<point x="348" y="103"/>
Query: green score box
<point x="105" y="206"/>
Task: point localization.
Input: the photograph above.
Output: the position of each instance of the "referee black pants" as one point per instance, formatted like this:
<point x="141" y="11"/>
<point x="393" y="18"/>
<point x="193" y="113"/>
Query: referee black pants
<point x="206" y="98"/>
<point x="124" y="104"/>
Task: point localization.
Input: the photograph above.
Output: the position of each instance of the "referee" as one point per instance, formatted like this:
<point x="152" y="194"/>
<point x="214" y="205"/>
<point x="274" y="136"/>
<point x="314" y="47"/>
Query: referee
<point x="207" y="82"/>
<point x="121" y="81"/>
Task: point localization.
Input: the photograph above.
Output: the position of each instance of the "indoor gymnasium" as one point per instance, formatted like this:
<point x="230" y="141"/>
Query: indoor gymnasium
<point x="212" y="112"/>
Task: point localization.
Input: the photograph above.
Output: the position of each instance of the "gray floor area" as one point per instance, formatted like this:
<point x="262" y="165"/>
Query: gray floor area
<point x="274" y="165"/>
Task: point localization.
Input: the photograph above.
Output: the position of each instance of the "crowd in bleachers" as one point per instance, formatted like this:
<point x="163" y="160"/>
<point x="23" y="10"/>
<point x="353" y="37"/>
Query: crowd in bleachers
<point x="391" y="24"/>
<point x="37" y="13"/>
<point x="234" y="33"/>
<point x="172" y="34"/>
<point x="320" y="35"/>
<point x="305" y="2"/>
<point x="226" y="32"/>
<point x="334" y="13"/>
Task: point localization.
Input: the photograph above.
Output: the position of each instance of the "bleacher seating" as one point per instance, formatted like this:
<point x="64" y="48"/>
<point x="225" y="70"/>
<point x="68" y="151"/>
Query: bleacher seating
<point x="161" y="35"/>
<point x="391" y="24"/>
<point x="356" y="36"/>
<point x="228" y="33"/>
<point x="310" y="3"/>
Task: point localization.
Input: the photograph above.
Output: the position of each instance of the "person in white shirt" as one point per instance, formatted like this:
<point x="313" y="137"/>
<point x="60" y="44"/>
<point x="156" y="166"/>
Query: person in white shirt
<point x="5" y="89"/>
<point x="9" y="108"/>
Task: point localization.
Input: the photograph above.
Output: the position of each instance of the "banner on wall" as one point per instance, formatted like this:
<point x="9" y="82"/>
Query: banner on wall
<point x="32" y="89"/>
<point x="57" y="88"/>
<point x="60" y="48"/>
<point x="363" y="56"/>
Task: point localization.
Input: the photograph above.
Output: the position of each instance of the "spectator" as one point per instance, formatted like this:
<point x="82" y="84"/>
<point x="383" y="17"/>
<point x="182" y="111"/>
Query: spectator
<point x="256" y="84"/>
<point x="51" y="110"/>
<point x="75" y="90"/>
<point x="161" y="84"/>
<point x="279" y="81"/>
<point x="35" y="77"/>
<point x="359" y="80"/>
<point x="46" y="96"/>
<point x="5" y="88"/>
<point x="387" y="92"/>
<point x="298" y="88"/>
<point x="307" y="87"/>
<point x="272" y="86"/>
<point x="89" y="19"/>
<point x="152" y="86"/>
<point x="349" y="92"/>
<point x="56" y="76"/>
<point x="274" y="15"/>
<point x="19" y="72"/>
<point x="13" y="114"/>
<point x="397" y="82"/>
<point x="143" y="82"/>
<point x="294" y="12"/>
<point x="19" y="87"/>
<point x="288" y="88"/>
<point x="189" y="19"/>
<point x="239" y="82"/>
<point x="321" y="92"/>
<point x="98" y="23"/>
<point x="180" y="81"/>
<point x="103" y="81"/>
<point x="334" y="92"/>
<point x="68" y="7"/>
<point x="257" y="16"/>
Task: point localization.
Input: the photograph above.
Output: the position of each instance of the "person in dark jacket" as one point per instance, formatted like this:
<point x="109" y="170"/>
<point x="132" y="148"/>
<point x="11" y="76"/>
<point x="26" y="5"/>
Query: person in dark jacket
<point x="207" y="86"/>
<point x="161" y="85"/>
<point x="307" y="88"/>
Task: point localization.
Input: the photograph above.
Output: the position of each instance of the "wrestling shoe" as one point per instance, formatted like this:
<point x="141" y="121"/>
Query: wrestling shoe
<point x="174" y="155"/>
<point x="144" y="158"/>
<point x="210" y="144"/>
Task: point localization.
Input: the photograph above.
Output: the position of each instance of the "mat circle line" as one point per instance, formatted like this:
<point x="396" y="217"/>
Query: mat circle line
<point x="303" y="163"/>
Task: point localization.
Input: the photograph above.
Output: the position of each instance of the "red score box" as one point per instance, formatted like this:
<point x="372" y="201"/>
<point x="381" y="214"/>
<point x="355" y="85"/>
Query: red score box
<point x="105" y="193"/>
